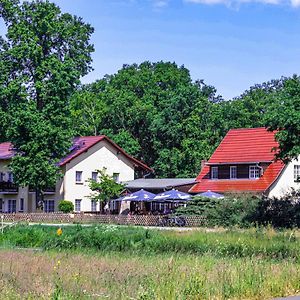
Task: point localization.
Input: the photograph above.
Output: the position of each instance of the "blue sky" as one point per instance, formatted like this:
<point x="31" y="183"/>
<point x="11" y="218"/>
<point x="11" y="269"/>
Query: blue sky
<point x="231" y="44"/>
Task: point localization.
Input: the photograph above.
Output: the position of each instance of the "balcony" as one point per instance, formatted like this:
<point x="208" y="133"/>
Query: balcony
<point x="48" y="190"/>
<point x="9" y="187"/>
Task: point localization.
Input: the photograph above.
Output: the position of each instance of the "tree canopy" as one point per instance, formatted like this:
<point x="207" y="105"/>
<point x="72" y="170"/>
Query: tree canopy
<point x="154" y="110"/>
<point x="42" y="57"/>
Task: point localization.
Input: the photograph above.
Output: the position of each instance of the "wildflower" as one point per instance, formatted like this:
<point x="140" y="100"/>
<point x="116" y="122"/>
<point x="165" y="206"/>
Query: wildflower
<point x="59" y="231"/>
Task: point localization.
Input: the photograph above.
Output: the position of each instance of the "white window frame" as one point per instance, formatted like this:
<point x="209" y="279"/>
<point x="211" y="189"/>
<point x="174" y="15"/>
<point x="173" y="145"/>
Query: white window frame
<point x="296" y="173"/>
<point x="93" y="205"/>
<point x="233" y="172"/>
<point x="78" y="176"/>
<point x="214" y="173"/>
<point x="254" y="172"/>
<point x="116" y="177"/>
<point x="77" y="205"/>
<point x="95" y="176"/>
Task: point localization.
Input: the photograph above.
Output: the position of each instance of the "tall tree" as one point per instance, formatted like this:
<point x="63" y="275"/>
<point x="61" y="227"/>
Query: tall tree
<point x="147" y="111"/>
<point x="284" y="116"/>
<point x="44" y="54"/>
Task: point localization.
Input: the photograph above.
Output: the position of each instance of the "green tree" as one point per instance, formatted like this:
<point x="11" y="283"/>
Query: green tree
<point x="44" y="54"/>
<point x="149" y="109"/>
<point x="284" y="117"/>
<point x="105" y="189"/>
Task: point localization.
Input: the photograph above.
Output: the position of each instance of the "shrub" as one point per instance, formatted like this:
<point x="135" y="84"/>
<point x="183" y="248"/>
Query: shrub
<point x="66" y="206"/>
<point x="229" y="211"/>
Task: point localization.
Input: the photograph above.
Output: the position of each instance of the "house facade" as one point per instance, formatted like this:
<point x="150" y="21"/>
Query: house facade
<point x="244" y="162"/>
<point x="87" y="155"/>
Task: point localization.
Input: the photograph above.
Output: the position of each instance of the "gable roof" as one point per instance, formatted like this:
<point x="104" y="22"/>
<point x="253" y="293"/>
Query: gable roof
<point x="84" y="143"/>
<point x="246" y="146"/>
<point x="80" y="145"/>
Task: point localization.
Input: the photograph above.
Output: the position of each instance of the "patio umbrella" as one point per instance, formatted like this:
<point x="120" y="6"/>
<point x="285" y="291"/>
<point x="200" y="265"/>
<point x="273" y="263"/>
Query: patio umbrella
<point x="210" y="194"/>
<point x="140" y="195"/>
<point x="172" y="195"/>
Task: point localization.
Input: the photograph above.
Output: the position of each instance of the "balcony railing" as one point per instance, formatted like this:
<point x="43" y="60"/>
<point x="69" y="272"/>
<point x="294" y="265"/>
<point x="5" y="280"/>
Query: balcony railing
<point x="46" y="190"/>
<point x="6" y="186"/>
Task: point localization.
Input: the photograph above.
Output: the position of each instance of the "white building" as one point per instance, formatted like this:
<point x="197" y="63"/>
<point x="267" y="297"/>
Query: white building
<point x="88" y="154"/>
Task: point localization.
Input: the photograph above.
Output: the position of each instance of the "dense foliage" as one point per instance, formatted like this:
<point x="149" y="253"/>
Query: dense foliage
<point x="42" y="57"/>
<point x="247" y="210"/>
<point x="66" y="206"/>
<point x="158" y="114"/>
<point x="155" y="111"/>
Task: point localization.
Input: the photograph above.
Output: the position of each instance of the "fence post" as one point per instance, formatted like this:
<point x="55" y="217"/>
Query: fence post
<point x="2" y="225"/>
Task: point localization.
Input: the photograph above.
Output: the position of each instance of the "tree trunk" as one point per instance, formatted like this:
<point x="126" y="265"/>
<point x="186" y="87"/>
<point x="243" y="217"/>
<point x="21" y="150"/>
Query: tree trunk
<point x="39" y="199"/>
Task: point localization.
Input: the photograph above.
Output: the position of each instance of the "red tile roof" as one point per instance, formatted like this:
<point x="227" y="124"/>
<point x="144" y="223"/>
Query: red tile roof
<point x="80" y="145"/>
<point x="242" y="146"/>
<point x="6" y="151"/>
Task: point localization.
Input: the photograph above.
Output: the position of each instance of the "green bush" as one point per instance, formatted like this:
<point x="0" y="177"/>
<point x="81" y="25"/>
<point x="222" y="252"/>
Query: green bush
<point x="66" y="206"/>
<point x="246" y="210"/>
<point x="229" y="211"/>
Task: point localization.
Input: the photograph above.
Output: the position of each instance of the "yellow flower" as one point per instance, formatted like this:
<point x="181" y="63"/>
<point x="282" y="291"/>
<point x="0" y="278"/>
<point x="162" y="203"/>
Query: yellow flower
<point x="59" y="231"/>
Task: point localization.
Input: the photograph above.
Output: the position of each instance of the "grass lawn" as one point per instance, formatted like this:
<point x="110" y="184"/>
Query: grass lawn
<point x="138" y="264"/>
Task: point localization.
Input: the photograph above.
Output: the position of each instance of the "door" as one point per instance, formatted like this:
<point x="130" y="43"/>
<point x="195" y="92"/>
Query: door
<point x="12" y="206"/>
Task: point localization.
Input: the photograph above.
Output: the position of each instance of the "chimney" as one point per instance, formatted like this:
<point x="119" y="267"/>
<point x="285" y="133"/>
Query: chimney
<point x="203" y="163"/>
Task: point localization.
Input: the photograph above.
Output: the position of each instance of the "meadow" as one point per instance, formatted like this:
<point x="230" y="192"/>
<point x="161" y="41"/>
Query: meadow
<point x="110" y="262"/>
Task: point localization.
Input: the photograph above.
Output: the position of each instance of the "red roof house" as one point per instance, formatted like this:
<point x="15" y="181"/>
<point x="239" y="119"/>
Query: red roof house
<point x="243" y="162"/>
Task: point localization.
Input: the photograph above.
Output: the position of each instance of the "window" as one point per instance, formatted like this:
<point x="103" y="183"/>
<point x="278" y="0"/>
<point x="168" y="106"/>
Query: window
<point x="214" y="172"/>
<point x="297" y="173"/>
<point x="12" y="206"/>
<point x="21" y="208"/>
<point x="2" y="176"/>
<point x="95" y="176"/>
<point x="78" y="177"/>
<point x="116" y="177"/>
<point x="233" y="172"/>
<point x="49" y="206"/>
<point x="78" y="205"/>
<point x="1" y="204"/>
<point x="10" y="177"/>
<point x="93" y="205"/>
<point x="254" y="172"/>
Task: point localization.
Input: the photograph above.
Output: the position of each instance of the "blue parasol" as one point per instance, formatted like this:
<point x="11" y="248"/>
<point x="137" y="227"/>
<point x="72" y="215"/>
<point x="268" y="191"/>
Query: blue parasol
<point x="140" y="195"/>
<point x="172" y="195"/>
<point x="210" y="194"/>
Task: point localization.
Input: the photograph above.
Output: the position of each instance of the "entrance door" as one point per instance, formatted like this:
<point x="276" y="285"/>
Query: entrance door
<point x="12" y="206"/>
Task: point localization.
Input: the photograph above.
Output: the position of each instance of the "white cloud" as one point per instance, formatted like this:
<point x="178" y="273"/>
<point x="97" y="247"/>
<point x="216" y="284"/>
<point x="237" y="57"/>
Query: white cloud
<point x="294" y="3"/>
<point x="160" y="3"/>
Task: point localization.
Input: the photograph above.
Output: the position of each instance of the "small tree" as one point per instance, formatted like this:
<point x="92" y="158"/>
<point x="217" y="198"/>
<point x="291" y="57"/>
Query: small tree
<point x="105" y="189"/>
<point x="66" y="206"/>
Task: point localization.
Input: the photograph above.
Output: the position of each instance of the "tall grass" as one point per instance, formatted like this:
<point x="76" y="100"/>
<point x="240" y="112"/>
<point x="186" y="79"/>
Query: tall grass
<point x="102" y="275"/>
<point x="264" y="243"/>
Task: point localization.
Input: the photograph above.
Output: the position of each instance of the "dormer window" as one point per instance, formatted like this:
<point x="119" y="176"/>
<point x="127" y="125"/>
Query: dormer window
<point x="233" y="172"/>
<point x="254" y="172"/>
<point x="214" y="172"/>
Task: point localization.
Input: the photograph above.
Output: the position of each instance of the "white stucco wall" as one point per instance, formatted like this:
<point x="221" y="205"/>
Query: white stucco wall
<point x="96" y="158"/>
<point x="285" y="181"/>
